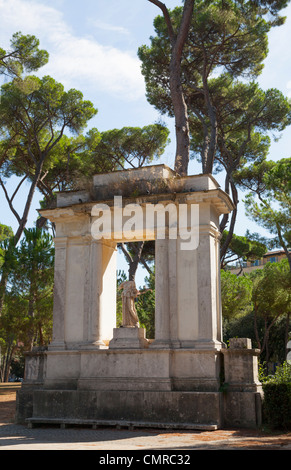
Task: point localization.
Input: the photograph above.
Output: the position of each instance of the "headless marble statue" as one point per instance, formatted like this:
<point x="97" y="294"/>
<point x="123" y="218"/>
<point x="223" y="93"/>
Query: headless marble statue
<point x="129" y="294"/>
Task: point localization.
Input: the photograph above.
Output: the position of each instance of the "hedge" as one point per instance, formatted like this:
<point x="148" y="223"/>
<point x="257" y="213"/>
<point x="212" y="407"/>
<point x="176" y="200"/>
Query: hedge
<point x="277" y="405"/>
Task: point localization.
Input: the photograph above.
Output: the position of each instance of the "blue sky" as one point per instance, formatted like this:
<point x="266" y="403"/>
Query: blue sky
<point x="93" y="47"/>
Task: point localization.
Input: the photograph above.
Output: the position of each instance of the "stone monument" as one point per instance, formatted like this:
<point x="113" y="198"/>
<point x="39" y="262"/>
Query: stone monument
<point x="95" y="373"/>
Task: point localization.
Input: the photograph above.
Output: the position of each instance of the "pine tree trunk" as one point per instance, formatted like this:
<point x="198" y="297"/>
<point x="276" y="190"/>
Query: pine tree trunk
<point x="181" y="120"/>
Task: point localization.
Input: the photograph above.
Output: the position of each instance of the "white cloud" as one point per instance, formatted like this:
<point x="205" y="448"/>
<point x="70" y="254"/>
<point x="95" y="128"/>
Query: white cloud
<point x="78" y="62"/>
<point x="31" y="17"/>
<point x="109" y="27"/>
<point x="109" y="69"/>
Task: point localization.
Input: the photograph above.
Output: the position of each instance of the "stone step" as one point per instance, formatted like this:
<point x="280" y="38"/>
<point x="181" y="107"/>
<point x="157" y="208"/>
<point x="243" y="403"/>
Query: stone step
<point x="31" y="422"/>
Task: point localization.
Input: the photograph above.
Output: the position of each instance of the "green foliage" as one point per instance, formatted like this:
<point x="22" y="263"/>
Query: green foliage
<point x="282" y="374"/>
<point x="236" y="292"/>
<point x="271" y="297"/>
<point x="133" y="145"/>
<point x="227" y="40"/>
<point x="121" y="277"/>
<point x="8" y="258"/>
<point x="241" y="326"/>
<point x="38" y="111"/>
<point x="252" y="177"/>
<point x="17" y="366"/>
<point x="247" y="248"/>
<point x="24" y="55"/>
<point x="145" y="307"/>
<point x="257" y="306"/>
<point x="229" y="116"/>
<point x="34" y="114"/>
<point x="244" y="327"/>
<point x="74" y="160"/>
<point x="29" y="299"/>
<point x="278" y="178"/>
<point x="222" y="37"/>
<point x="5" y="234"/>
<point x="26" y="316"/>
<point x="13" y="323"/>
<point x="271" y="182"/>
<point x="246" y="115"/>
<point x="277" y="398"/>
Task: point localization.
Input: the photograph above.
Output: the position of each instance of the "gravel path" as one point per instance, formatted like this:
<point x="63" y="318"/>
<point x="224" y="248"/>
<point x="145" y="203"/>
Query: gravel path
<point x="19" y="437"/>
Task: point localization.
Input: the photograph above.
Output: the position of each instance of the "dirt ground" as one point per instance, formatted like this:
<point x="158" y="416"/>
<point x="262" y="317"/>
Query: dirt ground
<point x="228" y="439"/>
<point x="8" y="401"/>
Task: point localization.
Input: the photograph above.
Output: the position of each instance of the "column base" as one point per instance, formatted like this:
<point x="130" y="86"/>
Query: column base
<point x="187" y="344"/>
<point x="128" y="338"/>
<point x="57" y="346"/>
<point x="93" y="345"/>
<point x="76" y="345"/>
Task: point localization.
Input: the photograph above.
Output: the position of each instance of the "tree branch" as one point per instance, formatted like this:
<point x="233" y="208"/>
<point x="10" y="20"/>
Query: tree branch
<point x="126" y="253"/>
<point x="16" y="190"/>
<point x="184" y="28"/>
<point x="142" y="260"/>
<point x="166" y="14"/>
<point x="10" y="202"/>
<point x="176" y="89"/>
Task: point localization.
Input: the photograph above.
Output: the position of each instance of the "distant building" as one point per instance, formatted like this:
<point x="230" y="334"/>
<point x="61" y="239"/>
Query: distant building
<point x="248" y="266"/>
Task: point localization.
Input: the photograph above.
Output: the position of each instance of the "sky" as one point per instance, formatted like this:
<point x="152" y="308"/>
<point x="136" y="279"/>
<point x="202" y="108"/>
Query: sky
<point x="93" y="47"/>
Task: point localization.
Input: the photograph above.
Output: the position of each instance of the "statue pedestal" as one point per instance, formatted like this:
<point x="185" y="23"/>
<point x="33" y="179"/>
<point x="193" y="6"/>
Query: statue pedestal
<point x="128" y="337"/>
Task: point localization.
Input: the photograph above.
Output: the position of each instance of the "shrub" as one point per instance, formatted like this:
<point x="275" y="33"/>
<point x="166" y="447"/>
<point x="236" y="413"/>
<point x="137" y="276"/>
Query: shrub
<point x="277" y="398"/>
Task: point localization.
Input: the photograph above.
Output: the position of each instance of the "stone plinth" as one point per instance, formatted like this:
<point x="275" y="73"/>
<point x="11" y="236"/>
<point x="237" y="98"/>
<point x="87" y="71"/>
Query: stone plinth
<point x="241" y="366"/>
<point x="243" y="395"/>
<point x="35" y="366"/>
<point x="128" y="338"/>
<point x="134" y="369"/>
<point x="34" y="373"/>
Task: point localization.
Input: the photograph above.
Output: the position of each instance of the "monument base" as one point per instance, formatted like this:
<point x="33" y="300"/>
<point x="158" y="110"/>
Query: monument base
<point x="128" y="337"/>
<point x="142" y="386"/>
<point x="189" y="410"/>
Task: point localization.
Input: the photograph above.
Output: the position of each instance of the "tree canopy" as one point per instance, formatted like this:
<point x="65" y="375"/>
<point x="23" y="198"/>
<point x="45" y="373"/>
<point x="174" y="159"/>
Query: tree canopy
<point x="26" y="317"/>
<point x="269" y="201"/>
<point x="24" y="55"/>
<point x="243" y="248"/>
<point x="271" y="296"/>
<point x="42" y="141"/>
<point x="227" y="116"/>
<point x="223" y="38"/>
<point x="34" y="115"/>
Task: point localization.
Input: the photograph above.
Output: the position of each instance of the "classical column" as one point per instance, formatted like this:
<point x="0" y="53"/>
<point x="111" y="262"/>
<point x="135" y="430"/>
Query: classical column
<point x="208" y="289"/>
<point x="188" y="310"/>
<point x="91" y="293"/>
<point x="74" y="291"/>
<point x="162" y="294"/>
<point x="102" y="293"/>
<point x="171" y="283"/>
<point x="60" y="271"/>
<point x="188" y="272"/>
